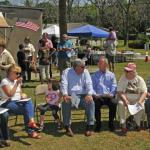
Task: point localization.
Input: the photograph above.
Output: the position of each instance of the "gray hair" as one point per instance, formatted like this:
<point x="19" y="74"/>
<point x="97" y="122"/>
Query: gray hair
<point x="78" y="62"/>
<point x="104" y="58"/>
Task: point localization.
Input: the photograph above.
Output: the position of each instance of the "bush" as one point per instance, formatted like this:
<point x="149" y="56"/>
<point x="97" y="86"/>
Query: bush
<point x="139" y="43"/>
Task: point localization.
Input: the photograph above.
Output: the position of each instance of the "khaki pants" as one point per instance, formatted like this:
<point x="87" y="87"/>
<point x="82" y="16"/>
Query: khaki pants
<point x="122" y="109"/>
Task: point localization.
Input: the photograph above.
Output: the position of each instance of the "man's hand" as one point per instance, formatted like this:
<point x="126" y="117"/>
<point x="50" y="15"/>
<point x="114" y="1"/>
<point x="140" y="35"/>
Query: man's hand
<point x="1" y="67"/>
<point x="148" y="94"/>
<point x="88" y="98"/>
<point x="126" y="102"/>
<point x="66" y="98"/>
<point x="96" y="96"/>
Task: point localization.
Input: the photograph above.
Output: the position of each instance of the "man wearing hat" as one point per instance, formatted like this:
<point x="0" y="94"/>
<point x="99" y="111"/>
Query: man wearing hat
<point x="131" y="90"/>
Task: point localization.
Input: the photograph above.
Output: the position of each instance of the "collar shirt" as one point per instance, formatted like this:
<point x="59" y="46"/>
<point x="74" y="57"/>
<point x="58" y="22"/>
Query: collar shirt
<point x="49" y="44"/>
<point x="6" y="60"/>
<point x="104" y="83"/>
<point x="77" y="84"/>
<point x="64" y="44"/>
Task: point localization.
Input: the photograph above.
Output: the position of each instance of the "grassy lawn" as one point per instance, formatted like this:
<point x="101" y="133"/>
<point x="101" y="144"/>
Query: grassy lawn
<point x="105" y="140"/>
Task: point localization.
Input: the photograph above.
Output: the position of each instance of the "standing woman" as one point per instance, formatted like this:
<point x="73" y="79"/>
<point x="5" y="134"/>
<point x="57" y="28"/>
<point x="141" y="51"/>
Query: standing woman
<point x="12" y="95"/>
<point x="6" y="59"/>
<point x="29" y="54"/>
<point x="44" y="61"/>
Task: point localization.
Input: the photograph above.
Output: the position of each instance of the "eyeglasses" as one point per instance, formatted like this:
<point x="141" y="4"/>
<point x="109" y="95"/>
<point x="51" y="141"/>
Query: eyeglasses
<point x="82" y="67"/>
<point x="128" y="71"/>
<point x="18" y="74"/>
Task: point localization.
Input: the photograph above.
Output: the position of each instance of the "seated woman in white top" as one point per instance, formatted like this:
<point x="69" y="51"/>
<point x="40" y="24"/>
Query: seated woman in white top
<point x="12" y="94"/>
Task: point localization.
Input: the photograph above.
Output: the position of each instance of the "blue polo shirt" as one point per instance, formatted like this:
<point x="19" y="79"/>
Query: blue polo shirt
<point x="67" y="44"/>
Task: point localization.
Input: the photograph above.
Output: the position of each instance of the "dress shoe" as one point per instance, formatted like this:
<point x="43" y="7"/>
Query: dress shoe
<point x="97" y="129"/>
<point x="111" y="128"/>
<point x="6" y="143"/>
<point x="124" y="131"/>
<point x="2" y="145"/>
<point x="89" y="130"/>
<point x="89" y="133"/>
<point x="69" y="132"/>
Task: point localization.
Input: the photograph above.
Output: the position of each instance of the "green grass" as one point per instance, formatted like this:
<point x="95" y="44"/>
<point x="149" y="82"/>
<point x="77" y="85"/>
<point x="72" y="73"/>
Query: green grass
<point x="105" y="140"/>
<point x="121" y="47"/>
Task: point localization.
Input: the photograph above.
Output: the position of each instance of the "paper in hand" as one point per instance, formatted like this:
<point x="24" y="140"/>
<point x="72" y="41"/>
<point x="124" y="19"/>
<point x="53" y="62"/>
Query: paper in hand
<point x="134" y="109"/>
<point x="75" y="100"/>
<point x="24" y="100"/>
<point x="2" y="102"/>
<point x="3" y="110"/>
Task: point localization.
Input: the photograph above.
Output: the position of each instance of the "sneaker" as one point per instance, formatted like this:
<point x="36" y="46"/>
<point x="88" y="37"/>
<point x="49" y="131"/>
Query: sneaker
<point x="59" y="126"/>
<point x="41" y="128"/>
<point x="124" y="131"/>
<point x="69" y="132"/>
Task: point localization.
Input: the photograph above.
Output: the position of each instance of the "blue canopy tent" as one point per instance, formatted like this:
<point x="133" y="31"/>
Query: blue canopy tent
<point x="88" y="31"/>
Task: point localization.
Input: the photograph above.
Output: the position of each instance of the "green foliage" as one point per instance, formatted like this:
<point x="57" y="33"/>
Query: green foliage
<point x="50" y="12"/>
<point x="6" y="2"/>
<point x="139" y="43"/>
<point x="28" y="3"/>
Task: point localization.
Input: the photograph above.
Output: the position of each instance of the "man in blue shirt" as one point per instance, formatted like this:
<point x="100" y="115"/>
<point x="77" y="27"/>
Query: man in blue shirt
<point x="77" y="81"/>
<point x="64" y="50"/>
<point x="104" y="85"/>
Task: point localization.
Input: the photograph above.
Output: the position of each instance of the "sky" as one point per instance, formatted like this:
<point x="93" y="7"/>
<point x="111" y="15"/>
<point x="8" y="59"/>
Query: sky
<point x="19" y="2"/>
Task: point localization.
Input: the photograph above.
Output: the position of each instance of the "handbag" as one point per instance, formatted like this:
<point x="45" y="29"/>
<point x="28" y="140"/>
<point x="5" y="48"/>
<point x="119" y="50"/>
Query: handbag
<point x="33" y="67"/>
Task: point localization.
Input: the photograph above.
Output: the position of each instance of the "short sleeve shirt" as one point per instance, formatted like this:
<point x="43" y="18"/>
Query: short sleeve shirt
<point x="53" y="96"/>
<point x="135" y="86"/>
<point x="10" y="84"/>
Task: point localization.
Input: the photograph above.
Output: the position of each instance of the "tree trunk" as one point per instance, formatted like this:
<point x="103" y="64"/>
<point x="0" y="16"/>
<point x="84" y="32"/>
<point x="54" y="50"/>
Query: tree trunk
<point x="62" y="17"/>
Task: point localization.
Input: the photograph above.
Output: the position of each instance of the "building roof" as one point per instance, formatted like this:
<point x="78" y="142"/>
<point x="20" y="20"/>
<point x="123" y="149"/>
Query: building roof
<point x="21" y="7"/>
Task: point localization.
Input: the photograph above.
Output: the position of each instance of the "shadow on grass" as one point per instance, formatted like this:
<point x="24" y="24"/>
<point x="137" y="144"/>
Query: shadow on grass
<point x="78" y="127"/>
<point x="51" y="128"/>
<point x="19" y="139"/>
<point x="28" y="86"/>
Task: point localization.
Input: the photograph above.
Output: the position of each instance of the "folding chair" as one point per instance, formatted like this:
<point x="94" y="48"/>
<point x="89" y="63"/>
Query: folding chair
<point x="40" y="90"/>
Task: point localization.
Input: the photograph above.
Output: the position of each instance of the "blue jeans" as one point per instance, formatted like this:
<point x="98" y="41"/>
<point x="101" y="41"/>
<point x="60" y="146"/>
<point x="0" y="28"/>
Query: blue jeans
<point x="21" y="108"/>
<point x="4" y="126"/>
<point x="89" y="111"/>
<point x="46" y="107"/>
<point x="147" y="110"/>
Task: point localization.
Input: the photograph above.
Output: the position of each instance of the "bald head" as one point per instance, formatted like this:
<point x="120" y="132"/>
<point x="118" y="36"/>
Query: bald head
<point x="65" y="37"/>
